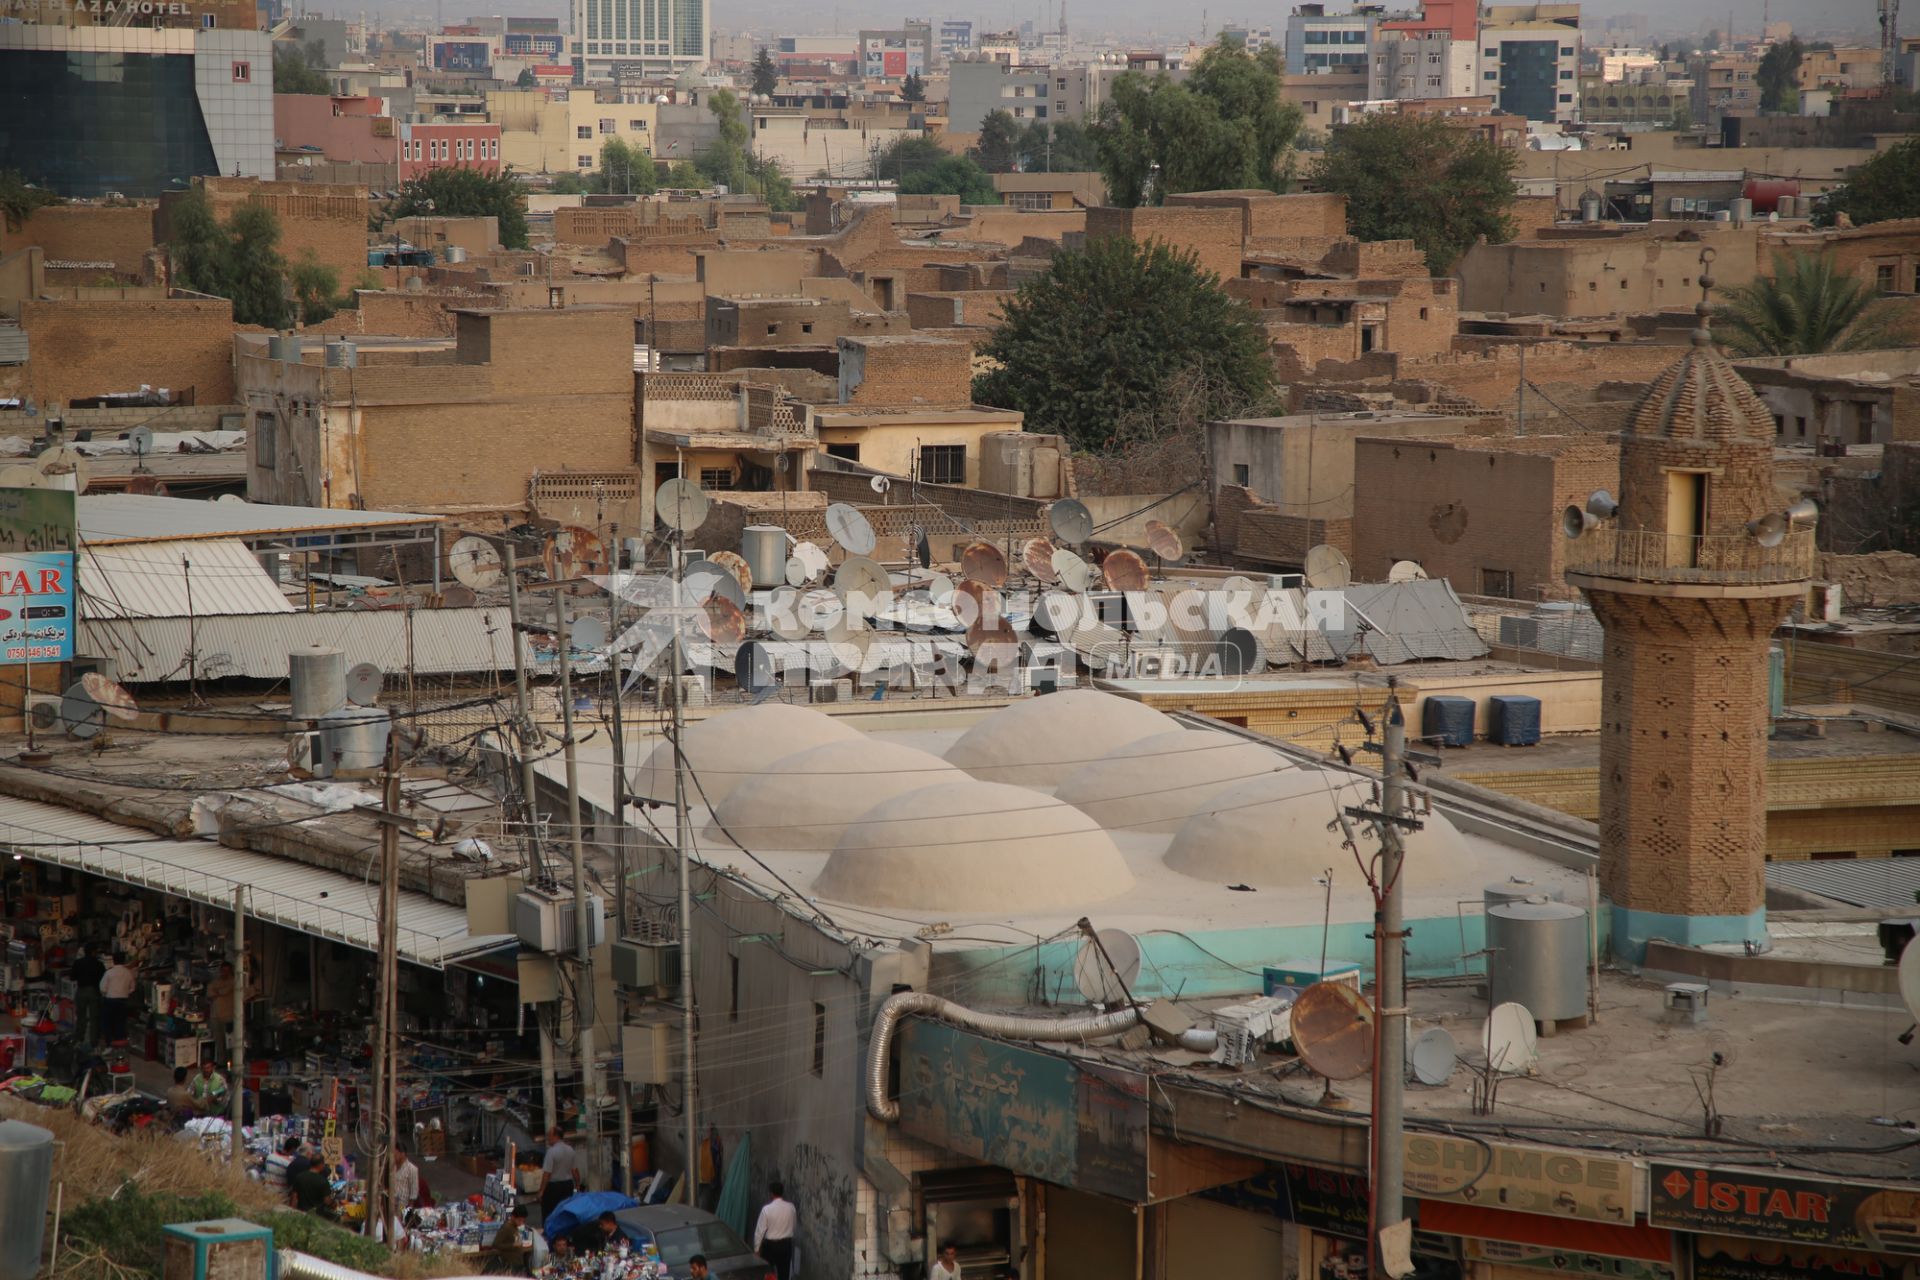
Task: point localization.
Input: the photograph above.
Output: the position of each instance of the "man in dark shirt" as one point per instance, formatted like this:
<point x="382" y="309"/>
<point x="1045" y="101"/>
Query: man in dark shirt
<point x="509" y="1255"/>
<point x="312" y="1191"/>
<point x="86" y="974"/>
<point x="596" y="1236"/>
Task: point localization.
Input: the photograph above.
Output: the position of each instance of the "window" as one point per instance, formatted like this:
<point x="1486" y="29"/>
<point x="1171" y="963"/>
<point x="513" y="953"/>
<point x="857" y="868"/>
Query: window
<point x="1779" y="424"/>
<point x="637" y="126"/>
<point x="1490" y="53"/>
<point x="1497" y="582"/>
<point x="242" y="72"/>
<point x="819" y="1039"/>
<point x="1566" y="75"/>
<point x="1566" y="97"/>
<point x="583" y="131"/>
<point x="1242" y="474"/>
<point x="209" y="21"/>
<point x="606" y="125"/>
<point x="806" y="326"/>
<point x="1423" y="313"/>
<point x="1883" y="278"/>
<point x="1491" y="75"/>
<point x="943" y="463"/>
<point x="1029" y="201"/>
<point x="1566" y="51"/>
<point x="583" y="162"/>
<point x="772" y="330"/>
<point x="716" y="478"/>
<point x="851" y="452"/>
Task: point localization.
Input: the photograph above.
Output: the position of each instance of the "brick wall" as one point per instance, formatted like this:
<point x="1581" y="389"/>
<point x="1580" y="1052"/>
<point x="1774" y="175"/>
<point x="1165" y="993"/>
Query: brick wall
<point x="1213" y="235"/>
<point x="329" y="219"/>
<point x="1490" y="379"/>
<point x="86" y="233"/>
<point x="775" y="322"/>
<point x="1267" y="537"/>
<point x="1265" y="214"/>
<point x="405" y="314"/>
<point x="905" y="371"/>
<point x="1530" y="213"/>
<point x="957" y="309"/>
<point x="90" y="348"/>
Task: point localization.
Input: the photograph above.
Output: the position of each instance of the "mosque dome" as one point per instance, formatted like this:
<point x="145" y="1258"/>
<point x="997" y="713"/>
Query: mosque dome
<point x="1037" y="742"/>
<point x="1271" y="832"/>
<point x="726" y="749"/>
<point x="1702" y="397"/>
<point x="967" y="846"/>
<point x="1157" y="782"/>
<point x="804" y="801"/>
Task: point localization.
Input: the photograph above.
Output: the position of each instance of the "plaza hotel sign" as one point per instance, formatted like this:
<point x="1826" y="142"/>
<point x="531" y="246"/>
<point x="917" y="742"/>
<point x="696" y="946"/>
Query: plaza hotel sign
<point x="227" y="13"/>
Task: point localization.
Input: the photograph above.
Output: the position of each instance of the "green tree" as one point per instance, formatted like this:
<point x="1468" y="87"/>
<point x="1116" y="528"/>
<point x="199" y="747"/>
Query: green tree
<point x="468" y="193"/>
<point x="1885" y="187"/>
<point x="568" y="184"/>
<point x="196" y="244"/>
<point x="1225" y="126"/>
<point x="998" y="150"/>
<point x="293" y="73"/>
<point x="1419" y="179"/>
<point x="256" y="274"/>
<point x="19" y="198"/>
<point x="908" y="154"/>
<point x="316" y="288"/>
<point x="766" y="76"/>
<point x="683" y="176"/>
<point x="725" y="162"/>
<point x="624" y="170"/>
<point x="1805" y="308"/>
<point x="525" y="79"/>
<point x="1777" y="76"/>
<point x="1111" y="333"/>
<point x="951" y="176"/>
<point x="913" y="88"/>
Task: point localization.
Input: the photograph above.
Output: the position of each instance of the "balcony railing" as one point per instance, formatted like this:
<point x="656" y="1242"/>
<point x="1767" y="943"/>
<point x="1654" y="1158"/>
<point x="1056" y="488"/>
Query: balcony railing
<point x="1647" y="555"/>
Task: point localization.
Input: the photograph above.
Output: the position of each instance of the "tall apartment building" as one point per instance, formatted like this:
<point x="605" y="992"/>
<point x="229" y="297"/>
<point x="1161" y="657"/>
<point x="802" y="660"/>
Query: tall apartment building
<point x="1321" y="41"/>
<point x="1530" y="59"/>
<point x="906" y="50"/>
<point x="652" y="36"/>
<point x="956" y="38"/>
<point x="977" y="86"/>
<point x="1432" y="56"/>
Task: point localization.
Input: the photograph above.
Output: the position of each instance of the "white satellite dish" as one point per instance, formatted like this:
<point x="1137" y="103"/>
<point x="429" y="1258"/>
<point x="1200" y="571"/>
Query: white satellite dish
<point x="140" y="441"/>
<point x="475" y="563"/>
<point x="783" y="614"/>
<point x="1433" y="1056"/>
<point x="1509" y="1039"/>
<point x="939" y="588"/>
<point x="850" y="529"/>
<point x="231" y="498"/>
<point x="1406" y="571"/>
<point x="1100" y="982"/>
<point x="1910" y="979"/>
<point x="588" y="634"/>
<point x="363" y="684"/>
<point x="1328" y="568"/>
<point x="813" y="561"/>
<point x="680" y="505"/>
<point x="1075" y="574"/>
<point x="879" y="484"/>
<point x="21" y="476"/>
<point x="863" y="586"/>
<point x="64" y="468"/>
<point x="796" y="573"/>
<point x="1070" y="520"/>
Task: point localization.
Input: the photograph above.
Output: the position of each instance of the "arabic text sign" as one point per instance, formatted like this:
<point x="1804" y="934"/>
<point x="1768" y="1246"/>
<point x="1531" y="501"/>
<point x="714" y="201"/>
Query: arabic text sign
<point x="1525" y="1179"/>
<point x="1770" y="1206"/>
<point x="36" y="607"/>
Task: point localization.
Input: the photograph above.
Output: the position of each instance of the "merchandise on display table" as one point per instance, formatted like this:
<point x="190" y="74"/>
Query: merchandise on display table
<point x="624" y="1261"/>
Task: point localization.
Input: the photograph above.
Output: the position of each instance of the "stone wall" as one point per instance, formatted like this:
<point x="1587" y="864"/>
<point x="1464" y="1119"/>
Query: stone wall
<point x="91" y="348"/>
<point x="86" y="233"/>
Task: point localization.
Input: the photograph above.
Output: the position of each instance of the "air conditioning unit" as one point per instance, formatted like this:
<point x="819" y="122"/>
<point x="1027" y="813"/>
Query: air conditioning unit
<point x="647" y="966"/>
<point x="830" y="691"/>
<point x="44" y="708"/>
<point x="646" y="1053"/>
<point x="1245" y="1028"/>
<point x="544" y="920"/>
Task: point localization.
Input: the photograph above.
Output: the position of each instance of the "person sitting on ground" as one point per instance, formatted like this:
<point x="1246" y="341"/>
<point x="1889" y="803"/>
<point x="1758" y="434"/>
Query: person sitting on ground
<point x="311" y="1191"/>
<point x="508" y="1255"/>
<point x="275" y="1172"/>
<point x="180" y="1097"/>
<point x="560" y="1252"/>
<point x="596" y="1236"/>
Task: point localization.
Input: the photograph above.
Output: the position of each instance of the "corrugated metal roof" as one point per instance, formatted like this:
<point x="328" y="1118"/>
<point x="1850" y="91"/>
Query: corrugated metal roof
<point x="174" y="579"/>
<point x="139" y="517"/>
<point x="1859" y="882"/>
<point x="255" y="646"/>
<point x="1399" y="622"/>
<point x="326" y="904"/>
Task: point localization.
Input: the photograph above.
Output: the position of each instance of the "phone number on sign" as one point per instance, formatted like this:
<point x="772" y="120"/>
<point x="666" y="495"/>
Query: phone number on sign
<point x="29" y="652"/>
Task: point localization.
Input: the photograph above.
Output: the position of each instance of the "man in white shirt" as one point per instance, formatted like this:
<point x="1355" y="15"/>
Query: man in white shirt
<point x="773" y="1234"/>
<point x="559" y="1174"/>
<point x="406" y="1183"/>
<point x="116" y="989"/>
<point x="947" y="1265"/>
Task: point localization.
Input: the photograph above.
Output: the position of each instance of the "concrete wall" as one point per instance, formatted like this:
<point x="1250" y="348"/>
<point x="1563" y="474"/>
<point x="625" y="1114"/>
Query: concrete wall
<point x="1304" y="464"/>
<point x="86" y="348"/>
<point x="894" y="445"/>
<point x="86" y="233"/>
<point x="1601" y="276"/>
<point x="895" y="370"/>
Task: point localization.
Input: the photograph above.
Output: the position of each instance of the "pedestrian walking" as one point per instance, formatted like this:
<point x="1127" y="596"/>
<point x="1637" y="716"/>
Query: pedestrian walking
<point x="773" y="1233"/>
<point x="559" y="1174"/>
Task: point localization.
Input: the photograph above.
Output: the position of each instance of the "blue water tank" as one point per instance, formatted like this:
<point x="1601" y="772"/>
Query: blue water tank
<point x="1513" y="720"/>
<point x="1448" y="721"/>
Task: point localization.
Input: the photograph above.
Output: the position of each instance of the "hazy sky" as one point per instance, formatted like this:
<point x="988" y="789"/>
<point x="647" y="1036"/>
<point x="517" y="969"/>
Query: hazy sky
<point x="1146" y="21"/>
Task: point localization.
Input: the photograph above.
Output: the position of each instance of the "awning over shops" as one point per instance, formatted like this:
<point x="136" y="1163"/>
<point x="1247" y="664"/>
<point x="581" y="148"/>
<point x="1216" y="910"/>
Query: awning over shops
<point x="312" y="900"/>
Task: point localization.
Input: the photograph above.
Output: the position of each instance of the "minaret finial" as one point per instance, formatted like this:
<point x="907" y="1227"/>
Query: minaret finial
<point x="1703" y="310"/>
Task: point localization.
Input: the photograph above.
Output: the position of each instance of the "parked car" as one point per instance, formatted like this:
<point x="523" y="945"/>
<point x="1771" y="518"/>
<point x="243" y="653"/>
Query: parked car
<point x="679" y="1233"/>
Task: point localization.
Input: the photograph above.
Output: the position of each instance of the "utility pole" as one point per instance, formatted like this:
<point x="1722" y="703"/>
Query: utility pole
<point x="1520" y="396"/>
<point x="380" y="1215"/>
<point x="583" y="991"/>
<point x="620" y="841"/>
<point x="238" y="1040"/>
<point x="687" y="1090"/>
<point x="527" y="734"/>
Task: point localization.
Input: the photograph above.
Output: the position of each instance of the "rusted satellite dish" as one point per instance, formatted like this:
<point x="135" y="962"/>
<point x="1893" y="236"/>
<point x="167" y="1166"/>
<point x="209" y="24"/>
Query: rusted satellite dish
<point x="111" y="696"/>
<point x="1037" y="555"/>
<point x="1163" y="540"/>
<point x="575" y="552"/>
<point x="60" y="462"/>
<point x="993" y="642"/>
<point x="985" y="563"/>
<point x="1333" y="1031"/>
<point x="974" y="602"/>
<point x="475" y="563"/>
<point x="707" y="577"/>
<point x="736" y="564"/>
<point x="722" y="622"/>
<point x="1125" y="571"/>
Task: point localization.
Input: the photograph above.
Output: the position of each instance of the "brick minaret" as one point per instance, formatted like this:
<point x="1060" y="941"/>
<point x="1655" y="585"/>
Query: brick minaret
<point x="1689" y="596"/>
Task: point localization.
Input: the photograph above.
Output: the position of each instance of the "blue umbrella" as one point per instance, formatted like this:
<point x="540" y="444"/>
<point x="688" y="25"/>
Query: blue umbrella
<point x="582" y="1207"/>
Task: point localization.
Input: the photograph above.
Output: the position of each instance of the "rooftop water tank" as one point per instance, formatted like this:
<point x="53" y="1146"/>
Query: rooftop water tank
<point x="1448" y="722"/>
<point x="317" y="681"/>
<point x="1766" y="194"/>
<point x="764" y="548"/>
<point x="1539" y="958"/>
<point x="355" y="738"/>
<point x="26" y="1174"/>
<point x="1514" y="889"/>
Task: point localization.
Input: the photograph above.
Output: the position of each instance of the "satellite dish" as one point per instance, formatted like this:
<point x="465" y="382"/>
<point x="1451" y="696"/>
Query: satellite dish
<point x="1509" y="1040"/>
<point x="1125" y="571"/>
<point x="80" y="715"/>
<point x="984" y="563"/>
<point x="1099" y="981"/>
<point x="705" y="578"/>
<point x="1037" y="556"/>
<point x="1910" y="978"/>
<point x="1769" y="530"/>
<point x="753" y="667"/>
<point x="588" y="634"/>
<point x="863" y="586"/>
<point x="1070" y="520"/>
<point x="1804" y="511"/>
<point x="1333" y="1031"/>
<point x="140" y="440"/>
<point x="230" y="498"/>
<point x="61" y="462"/>
<point x="1327" y="568"/>
<point x="1164" y="541"/>
<point x="363" y="684"/>
<point x="21" y="476"/>
<point x="1075" y="574"/>
<point x="475" y="563"/>
<point x="851" y="645"/>
<point x="796" y="572"/>
<point x="939" y="588"/>
<point x="1406" y="571"/>
<point x="736" y="564"/>
<point x="975" y="601"/>
<point x="112" y="697"/>
<point x="1239" y="585"/>
<point x="1241" y="652"/>
<point x="1432" y="1056"/>
<point x="850" y="529"/>
<point x="879" y="484"/>
<point x="781" y="462"/>
<point x="784" y="614"/>
<point x="812" y="560"/>
<point x="680" y="505"/>
<point x="1575" y="523"/>
<point x="993" y="644"/>
<point x="722" y="622"/>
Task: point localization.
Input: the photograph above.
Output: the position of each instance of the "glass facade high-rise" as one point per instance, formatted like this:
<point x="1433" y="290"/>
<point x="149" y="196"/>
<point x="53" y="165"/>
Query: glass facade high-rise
<point x="88" y="111"/>
<point x="653" y="35"/>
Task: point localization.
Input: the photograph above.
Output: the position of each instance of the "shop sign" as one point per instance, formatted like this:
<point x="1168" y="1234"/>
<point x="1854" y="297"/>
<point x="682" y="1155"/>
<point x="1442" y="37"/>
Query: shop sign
<point x="36" y="575"/>
<point x="1771" y="1206"/>
<point x="1501" y="1175"/>
<point x="1724" y="1258"/>
<point x="1536" y="1257"/>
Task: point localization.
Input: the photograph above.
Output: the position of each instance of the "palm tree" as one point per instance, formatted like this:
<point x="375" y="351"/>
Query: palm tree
<point x="1806" y="308"/>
